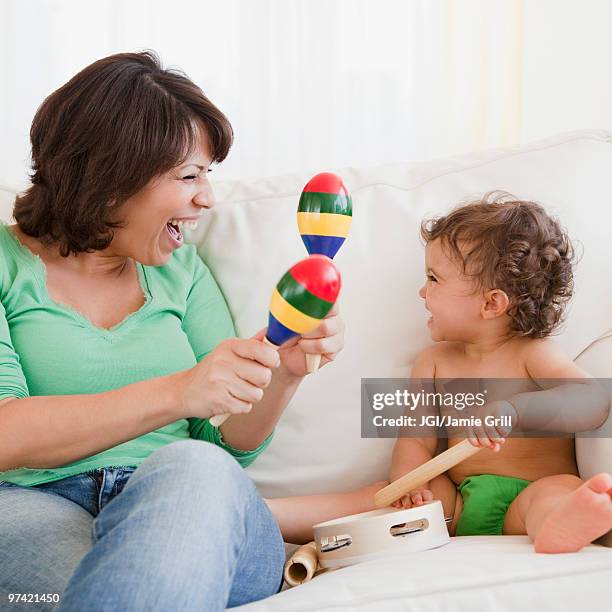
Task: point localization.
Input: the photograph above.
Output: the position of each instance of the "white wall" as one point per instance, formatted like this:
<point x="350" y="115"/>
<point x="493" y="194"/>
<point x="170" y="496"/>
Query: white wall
<point x="567" y="66"/>
<point x="313" y="84"/>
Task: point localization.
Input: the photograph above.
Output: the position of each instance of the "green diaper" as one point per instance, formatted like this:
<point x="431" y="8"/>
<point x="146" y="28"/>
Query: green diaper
<point x="486" y="499"/>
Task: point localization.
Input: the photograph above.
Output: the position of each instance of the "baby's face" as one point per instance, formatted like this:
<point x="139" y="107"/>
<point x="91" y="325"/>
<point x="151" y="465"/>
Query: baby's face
<point x="451" y="298"/>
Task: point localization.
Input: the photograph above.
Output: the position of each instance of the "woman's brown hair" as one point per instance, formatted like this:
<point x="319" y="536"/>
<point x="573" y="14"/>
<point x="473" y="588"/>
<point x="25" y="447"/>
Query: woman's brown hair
<point x="102" y="137"/>
<point x="512" y="245"/>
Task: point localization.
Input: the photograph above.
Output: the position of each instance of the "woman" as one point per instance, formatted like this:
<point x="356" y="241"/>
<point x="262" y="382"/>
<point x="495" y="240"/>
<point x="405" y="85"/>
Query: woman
<point x="116" y="346"/>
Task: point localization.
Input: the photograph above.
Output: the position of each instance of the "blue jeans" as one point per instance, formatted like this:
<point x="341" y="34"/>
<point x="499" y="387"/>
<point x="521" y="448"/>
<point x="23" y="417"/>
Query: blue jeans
<point x="186" y="530"/>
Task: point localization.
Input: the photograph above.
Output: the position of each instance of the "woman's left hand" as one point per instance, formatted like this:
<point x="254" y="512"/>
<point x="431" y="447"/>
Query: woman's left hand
<point x="326" y="340"/>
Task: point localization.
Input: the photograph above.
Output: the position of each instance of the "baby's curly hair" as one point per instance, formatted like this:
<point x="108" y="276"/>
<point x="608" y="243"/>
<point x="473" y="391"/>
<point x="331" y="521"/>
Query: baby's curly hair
<point x="512" y="245"/>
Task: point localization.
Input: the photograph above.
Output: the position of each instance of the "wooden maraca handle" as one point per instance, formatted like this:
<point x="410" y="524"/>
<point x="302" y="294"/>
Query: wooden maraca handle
<point x="219" y="419"/>
<point x="313" y="362"/>
<point x="424" y="473"/>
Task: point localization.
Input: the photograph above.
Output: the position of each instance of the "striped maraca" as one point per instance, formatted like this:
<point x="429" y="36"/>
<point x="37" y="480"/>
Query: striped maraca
<point x="325" y="213"/>
<point x="301" y="300"/>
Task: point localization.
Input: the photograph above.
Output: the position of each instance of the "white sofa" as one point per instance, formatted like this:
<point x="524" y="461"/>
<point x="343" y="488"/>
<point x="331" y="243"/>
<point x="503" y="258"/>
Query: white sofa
<point x="251" y="238"/>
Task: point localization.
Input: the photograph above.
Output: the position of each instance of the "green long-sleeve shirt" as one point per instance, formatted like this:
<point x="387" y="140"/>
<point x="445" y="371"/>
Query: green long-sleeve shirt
<point x="47" y="348"/>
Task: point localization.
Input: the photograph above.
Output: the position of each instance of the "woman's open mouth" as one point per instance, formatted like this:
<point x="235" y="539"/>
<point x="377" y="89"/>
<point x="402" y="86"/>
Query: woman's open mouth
<point x="175" y="234"/>
<point x="174" y="227"/>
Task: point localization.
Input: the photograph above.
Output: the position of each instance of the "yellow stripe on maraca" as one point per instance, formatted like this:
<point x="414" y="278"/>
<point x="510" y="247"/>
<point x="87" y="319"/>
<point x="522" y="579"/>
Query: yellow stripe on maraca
<point x="290" y="316"/>
<point x="324" y="224"/>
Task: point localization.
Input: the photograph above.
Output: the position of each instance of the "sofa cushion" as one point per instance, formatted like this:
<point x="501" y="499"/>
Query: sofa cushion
<point x="594" y="454"/>
<point x="493" y="573"/>
<point x="250" y="239"/>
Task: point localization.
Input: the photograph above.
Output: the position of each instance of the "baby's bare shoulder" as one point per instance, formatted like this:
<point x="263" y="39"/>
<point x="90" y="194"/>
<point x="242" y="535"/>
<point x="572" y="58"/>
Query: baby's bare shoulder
<point x="530" y="350"/>
<point x="544" y="358"/>
<point x="436" y="354"/>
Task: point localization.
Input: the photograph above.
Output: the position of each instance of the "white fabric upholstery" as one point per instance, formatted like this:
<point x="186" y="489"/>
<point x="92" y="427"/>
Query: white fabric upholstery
<point x="250" y="239"/>
<point x="595" y="454"/>
<point x="7" y="198"/>
<point x="491" y="573"/>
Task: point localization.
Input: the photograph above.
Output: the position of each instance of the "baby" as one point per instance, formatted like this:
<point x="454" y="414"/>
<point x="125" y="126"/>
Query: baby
<point x="499" y="273"/>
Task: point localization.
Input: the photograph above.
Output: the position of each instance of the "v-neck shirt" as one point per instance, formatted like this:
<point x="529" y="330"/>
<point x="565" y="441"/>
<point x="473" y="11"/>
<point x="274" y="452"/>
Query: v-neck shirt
<point x="49" y="348"/>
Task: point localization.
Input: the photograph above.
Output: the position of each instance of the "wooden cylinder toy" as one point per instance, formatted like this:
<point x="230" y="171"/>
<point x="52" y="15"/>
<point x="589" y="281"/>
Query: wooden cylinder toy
<point x="302" y="565"/>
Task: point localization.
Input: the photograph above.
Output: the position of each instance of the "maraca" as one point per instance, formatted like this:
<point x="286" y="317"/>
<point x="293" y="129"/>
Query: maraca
<point x="325" y="213"/>
<point x="301" y="299"/>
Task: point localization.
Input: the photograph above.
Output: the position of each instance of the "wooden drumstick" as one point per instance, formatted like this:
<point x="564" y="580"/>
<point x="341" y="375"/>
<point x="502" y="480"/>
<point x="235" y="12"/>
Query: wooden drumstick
<point x="219" y="419"/>
<point x="424" y="473"/>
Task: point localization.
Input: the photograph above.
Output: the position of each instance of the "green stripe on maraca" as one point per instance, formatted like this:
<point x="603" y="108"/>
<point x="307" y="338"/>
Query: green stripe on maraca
<point x="333" y="203"/>
<point x="302" y="299"/>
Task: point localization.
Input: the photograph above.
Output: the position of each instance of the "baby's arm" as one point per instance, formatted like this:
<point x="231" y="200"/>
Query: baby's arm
<point x="411" y="452"/>
<point x="581" y="404"/>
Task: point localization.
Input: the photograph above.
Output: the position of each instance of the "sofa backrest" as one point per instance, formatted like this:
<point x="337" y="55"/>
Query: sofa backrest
<point x="250" y="239"/>
<point x="7" y="199"/>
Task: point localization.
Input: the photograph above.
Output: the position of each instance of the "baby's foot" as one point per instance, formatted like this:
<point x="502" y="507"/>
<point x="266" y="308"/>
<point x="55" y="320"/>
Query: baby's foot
<point x="579" y="519"/>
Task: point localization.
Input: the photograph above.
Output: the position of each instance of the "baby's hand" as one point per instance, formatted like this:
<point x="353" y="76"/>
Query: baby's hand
<point x="418" y="497"/>
<point x="496" y="421"/>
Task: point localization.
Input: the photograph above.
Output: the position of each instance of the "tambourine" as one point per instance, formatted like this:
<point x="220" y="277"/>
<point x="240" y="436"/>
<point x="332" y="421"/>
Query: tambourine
<point x="369" y="535"/>
<point x="378" y="533"/>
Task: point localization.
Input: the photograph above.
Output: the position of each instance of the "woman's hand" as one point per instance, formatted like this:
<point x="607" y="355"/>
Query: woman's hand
<point x="229" y="380"/>
<point x="326" y="340"/>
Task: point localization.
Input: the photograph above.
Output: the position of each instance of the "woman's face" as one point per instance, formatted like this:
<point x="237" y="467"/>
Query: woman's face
<point x="180" y="194"/>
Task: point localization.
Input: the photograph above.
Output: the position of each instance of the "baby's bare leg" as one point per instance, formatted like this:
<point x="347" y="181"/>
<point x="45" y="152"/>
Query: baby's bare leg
<point x="297" y="515"/>
<point x="562" y="513"/>
<point x="444" y="489"/>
